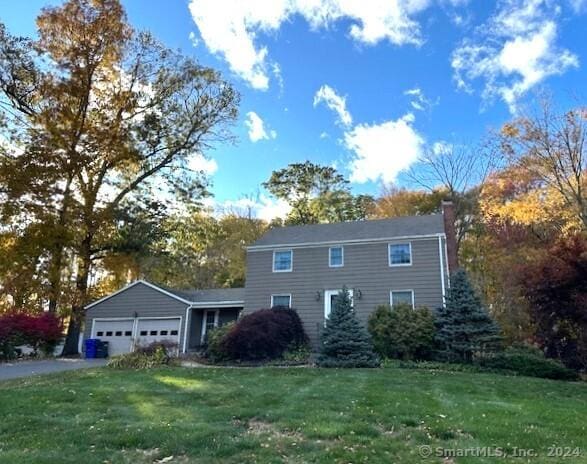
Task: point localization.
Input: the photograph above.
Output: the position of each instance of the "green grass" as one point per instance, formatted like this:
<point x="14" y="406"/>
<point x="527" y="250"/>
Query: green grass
<point x="285" y="415"/>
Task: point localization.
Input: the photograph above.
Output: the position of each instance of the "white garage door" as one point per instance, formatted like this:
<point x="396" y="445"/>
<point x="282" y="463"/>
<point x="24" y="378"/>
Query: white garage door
<point x="156" y="330"/>
<point x="118" y="334"/>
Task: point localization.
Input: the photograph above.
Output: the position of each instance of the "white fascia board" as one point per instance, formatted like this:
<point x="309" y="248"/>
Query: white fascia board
<point x="342" y="242"/>
<point x="144" y="282"/>
<point x="216" y="304"/>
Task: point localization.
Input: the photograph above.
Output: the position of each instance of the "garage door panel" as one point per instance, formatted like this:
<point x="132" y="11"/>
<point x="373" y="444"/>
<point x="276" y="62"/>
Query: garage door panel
<point x="118" y="334"/>
<point x="158" y="330"/>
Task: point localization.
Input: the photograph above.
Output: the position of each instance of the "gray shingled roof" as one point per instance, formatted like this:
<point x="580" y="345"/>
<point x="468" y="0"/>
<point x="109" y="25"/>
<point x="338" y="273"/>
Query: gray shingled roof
<point x="210" y="295"/>
<point x="354" y="230"/>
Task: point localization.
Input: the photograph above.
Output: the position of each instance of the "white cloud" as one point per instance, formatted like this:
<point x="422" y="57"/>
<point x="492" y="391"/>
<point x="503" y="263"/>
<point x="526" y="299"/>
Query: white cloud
<point x="513" y="52"/>
<point x="200" y="163"/>
<point x="262" y="207"/>
<point x="194" y="39"/>
<point x="379" y="151"/>
<point x="231" y="28"/>
<point x="276" y="69"/>
<point x="383" y="150"/>
<point x="257" y="130"/>
<point x="335" y="102"/>
<point x="578" y="6"/>
<point x="442" y="148"/>
<point x="419" y="101"/>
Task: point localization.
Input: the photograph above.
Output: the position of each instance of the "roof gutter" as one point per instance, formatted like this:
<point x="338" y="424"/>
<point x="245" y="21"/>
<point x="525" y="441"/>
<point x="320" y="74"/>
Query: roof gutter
<point x="343" y="242"/>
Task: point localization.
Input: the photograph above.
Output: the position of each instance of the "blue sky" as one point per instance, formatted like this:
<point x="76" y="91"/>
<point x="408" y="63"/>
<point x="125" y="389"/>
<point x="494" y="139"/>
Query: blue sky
<point x="368" y="85"/>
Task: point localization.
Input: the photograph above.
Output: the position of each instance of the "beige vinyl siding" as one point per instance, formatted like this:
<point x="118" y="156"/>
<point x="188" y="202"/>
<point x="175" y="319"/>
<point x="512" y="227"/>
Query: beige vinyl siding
<point x="366" y="268"/>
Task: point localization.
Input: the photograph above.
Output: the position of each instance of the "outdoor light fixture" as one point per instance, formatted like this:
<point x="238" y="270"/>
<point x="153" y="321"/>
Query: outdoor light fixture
<point x="318" y="295"/>
<point x="136" y="314"/>
<point x="359" y="293"/>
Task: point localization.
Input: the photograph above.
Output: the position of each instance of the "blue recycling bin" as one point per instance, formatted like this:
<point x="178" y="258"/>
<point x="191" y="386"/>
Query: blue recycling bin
<point x="92" y="347"/>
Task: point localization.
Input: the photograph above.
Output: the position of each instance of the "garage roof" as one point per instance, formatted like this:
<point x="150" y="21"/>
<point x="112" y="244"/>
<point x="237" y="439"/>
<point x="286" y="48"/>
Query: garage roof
<point x="224" y="297"/>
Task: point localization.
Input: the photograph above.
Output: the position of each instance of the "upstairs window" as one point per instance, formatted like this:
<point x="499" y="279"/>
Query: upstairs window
<point x="336" y="257"/>
<point x="281" y="301"/>
<point x="400" y="254"/>
<point x="282" y="261"/>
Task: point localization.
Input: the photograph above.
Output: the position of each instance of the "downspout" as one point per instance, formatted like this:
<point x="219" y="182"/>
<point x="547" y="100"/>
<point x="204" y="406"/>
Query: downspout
<point x="447" y="268"/>
<point x="135" y="326"/>
<point x="185" y="331"/>
<point x="440" y="255"/>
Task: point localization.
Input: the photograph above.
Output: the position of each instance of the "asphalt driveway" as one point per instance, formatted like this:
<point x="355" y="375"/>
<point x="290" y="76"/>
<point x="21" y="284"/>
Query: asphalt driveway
<point x="28" y="368"/>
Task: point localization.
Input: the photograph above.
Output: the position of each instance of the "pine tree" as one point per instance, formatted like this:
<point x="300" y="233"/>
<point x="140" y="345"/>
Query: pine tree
<point x="464" y="326"/>
<point x="344" y="341"/>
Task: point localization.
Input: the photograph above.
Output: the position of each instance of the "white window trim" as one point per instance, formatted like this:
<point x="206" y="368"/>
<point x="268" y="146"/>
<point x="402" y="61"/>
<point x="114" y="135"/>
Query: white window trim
<point x="216" y="314"/>
<point x="282" y="294"/>
<point x="391" y="292"/>
<point x="282" y="270"/>
<point x="327" y="297"/>
<point x="330" y="256"/>
<point x="389" y="245"/>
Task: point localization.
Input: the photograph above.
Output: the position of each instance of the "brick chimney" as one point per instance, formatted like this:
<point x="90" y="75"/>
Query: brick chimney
<point x="448" y="213"/>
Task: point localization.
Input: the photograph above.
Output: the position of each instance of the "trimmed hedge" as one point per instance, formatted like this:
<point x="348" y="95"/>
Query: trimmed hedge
<point x="531" y="363"/>
<point x="402" y="332"/>
<point x="263" y="335"/>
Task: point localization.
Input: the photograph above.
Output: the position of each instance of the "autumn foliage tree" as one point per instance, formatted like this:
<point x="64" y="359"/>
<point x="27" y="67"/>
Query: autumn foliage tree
<point x="550" y="147"/>
<point x="99" y="111"/>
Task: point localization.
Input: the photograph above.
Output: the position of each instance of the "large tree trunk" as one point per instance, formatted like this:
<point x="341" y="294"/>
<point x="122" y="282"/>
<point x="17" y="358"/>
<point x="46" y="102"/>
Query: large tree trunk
<point x="56" y="276"/>
<point x="56" y="265"/>
<point x="71" y="346"/>
<point x="78" y="308"/>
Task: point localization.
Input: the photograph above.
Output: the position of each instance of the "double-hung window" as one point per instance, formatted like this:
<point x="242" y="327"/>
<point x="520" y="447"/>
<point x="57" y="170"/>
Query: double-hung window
<point x="336" y="256"/>
<point x="282" y="261"/>
<point x="281" y="301"/>
<point x="400" y="254"/>
<point x="401" y="297"/>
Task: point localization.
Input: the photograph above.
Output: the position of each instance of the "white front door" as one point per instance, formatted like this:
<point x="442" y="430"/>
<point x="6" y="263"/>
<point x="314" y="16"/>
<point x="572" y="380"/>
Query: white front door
<point x="118" y="334"/>
<point x="151" y="330"/>
<point x="330" y="298"/>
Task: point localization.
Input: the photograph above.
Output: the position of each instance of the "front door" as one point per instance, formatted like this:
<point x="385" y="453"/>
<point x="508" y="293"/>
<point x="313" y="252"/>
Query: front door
<point x="330" y="297"/>
<point x="209" y="322"/>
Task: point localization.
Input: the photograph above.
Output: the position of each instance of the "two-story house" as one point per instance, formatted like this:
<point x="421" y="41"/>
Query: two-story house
<point x="404" y="259"/>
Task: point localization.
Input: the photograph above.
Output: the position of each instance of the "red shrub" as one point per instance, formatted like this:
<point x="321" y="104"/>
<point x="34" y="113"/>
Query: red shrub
<point x="264" y="334"/>
<point x="43" y="331"/>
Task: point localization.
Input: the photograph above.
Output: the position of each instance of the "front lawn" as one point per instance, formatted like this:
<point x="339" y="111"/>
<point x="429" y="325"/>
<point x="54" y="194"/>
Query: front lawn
<point x="287" y="415"/>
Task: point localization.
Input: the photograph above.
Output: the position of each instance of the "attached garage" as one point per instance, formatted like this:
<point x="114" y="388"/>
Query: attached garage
<point x="143" y="313"/>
